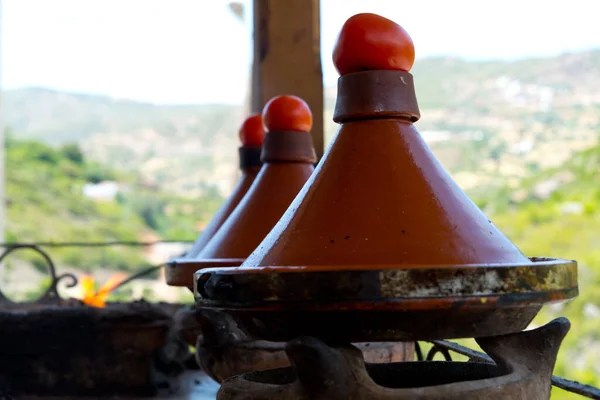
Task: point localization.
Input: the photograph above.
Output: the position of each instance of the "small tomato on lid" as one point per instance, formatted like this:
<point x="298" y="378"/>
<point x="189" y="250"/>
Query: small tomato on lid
<point x="369" y="42"/>
<point x="252" y="131"/>
<point x="287" y="113"/>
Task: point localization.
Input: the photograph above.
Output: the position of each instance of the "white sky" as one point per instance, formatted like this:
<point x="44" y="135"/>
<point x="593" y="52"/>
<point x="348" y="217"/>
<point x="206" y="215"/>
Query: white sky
<point x="162" y="51"/>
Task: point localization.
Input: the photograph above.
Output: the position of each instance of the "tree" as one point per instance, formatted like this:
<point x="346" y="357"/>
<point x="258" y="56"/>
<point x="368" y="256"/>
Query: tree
<point x="73" y="153"/>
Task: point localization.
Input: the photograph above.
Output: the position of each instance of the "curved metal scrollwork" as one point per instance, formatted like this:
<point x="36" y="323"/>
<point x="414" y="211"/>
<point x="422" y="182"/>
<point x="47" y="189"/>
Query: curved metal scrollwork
<point x="51" y="294"/>
<point x="435" y="349"/>
<point x="438" y="349"/>
<point x="419" y="352"/>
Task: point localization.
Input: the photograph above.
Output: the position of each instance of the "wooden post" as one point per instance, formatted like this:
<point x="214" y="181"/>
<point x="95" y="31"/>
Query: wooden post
<point x="287" y="57"/>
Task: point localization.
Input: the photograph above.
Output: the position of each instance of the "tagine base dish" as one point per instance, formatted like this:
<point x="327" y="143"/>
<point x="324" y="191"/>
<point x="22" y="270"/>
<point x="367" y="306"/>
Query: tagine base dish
<point x="378" y="326"/>
<point x="179" y="271"/>
<point x="387" y="304"/>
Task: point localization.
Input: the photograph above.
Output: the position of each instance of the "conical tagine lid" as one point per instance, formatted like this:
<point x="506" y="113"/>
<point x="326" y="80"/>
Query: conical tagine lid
<point x="380" y="197"/>
<point x="251" y="135"/>
<point x="288" y="156"/>
<point x="381" y="230"/>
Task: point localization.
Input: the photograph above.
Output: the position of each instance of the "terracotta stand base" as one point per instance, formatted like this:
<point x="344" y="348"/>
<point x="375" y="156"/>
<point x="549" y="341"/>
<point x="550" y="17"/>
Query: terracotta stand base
<point x="523" y="370"/>
<point x="235" y="359"/>
<point x="223" y="350"/>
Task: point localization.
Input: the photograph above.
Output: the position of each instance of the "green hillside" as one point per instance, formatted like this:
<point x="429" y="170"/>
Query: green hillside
<point x="563" y="222"/>
<point x="185" y="149"/>
<point x="45" y="203"/>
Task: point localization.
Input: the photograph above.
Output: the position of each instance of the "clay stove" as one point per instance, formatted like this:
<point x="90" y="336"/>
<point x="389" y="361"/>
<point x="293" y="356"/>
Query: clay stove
<point x="382" y="245"/>
<point x="64" y="347"/>
<point x="522" y="369"/>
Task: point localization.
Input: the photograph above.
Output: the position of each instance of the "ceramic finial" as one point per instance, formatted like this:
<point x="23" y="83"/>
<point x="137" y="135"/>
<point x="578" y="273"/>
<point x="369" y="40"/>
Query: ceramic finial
<point x="372" y="42"/>
<point x="252" y="131"/>
<point x="287" y="113"/>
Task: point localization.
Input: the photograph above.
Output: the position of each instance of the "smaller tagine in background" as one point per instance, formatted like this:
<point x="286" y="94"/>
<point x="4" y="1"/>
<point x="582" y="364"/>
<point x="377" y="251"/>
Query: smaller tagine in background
<point x="251" y="135"/>
<point x="288" y="157"/>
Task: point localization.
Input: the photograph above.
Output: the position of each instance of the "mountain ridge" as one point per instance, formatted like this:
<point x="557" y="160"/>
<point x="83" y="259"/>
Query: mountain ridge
<point x="485" y="120"/>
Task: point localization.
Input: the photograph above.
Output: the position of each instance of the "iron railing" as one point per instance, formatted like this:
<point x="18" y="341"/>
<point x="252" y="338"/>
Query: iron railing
<point x="443" y="347"/>
<point x="51" y="294"/>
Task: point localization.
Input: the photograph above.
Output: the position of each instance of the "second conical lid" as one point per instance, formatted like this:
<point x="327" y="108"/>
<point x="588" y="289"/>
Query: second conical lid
<point x="288" y="157"/>
<point x="380" y="197"/>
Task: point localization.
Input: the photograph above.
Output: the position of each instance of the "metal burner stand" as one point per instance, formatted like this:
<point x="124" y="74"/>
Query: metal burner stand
<point x="521" y="369"/>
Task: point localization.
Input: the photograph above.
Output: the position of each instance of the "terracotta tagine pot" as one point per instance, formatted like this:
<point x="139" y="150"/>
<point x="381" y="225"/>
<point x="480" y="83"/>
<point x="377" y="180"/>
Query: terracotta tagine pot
<point x="382" y="244"/>
<point x="251" y="135"/>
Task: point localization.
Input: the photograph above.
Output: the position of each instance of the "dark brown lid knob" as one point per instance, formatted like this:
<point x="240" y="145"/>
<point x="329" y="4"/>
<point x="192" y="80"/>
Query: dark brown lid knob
<point x="252" y="134"/>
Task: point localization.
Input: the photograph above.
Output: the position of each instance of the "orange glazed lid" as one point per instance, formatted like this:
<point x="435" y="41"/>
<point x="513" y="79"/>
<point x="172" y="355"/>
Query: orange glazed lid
<point x="381" y="243"/>
<point x="288" y="156"/>
<point x="251" y="136"/>
<point x="380" y="197"/>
